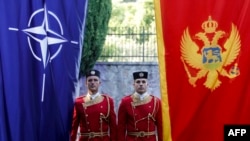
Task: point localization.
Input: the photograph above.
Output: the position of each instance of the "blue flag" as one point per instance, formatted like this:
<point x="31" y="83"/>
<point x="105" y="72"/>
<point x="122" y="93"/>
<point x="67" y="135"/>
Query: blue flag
<point x="40" y="50"/>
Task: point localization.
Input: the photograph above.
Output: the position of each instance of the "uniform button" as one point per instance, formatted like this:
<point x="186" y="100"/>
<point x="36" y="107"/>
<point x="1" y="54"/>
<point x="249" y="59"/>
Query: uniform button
<point x="86" y="115"/>
<point x="88" y="129"/>
<point x="101" y="107"/>
<point x="149" y="106"/>
<point x="87" y="122"/>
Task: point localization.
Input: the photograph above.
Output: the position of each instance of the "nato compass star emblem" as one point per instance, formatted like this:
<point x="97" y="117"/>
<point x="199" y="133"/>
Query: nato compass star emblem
<point x="45" y="36"/>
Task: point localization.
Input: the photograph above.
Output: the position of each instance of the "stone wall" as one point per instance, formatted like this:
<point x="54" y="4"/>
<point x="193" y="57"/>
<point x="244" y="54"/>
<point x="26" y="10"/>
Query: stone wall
<point x="117" y="79"/>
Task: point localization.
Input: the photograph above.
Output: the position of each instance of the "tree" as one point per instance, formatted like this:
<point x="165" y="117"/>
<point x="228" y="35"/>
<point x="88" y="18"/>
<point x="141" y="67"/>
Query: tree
<point x="98" y="15"/>
<point x="148" y="20"/>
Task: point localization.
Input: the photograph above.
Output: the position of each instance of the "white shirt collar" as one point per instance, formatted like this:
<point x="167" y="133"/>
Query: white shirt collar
<point x="141" y="96"/>
<point x="93" y="96"/>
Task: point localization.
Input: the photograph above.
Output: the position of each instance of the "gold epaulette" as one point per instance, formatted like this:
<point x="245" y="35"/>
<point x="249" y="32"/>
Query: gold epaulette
<point x="89" y="102"/>
<point x="136" y="100"/>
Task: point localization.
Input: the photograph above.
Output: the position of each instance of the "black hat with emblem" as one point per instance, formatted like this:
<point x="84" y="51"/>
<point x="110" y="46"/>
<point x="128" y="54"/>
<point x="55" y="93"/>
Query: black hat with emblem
<point x="140" y="74"/>
<point x="93" y="73"/>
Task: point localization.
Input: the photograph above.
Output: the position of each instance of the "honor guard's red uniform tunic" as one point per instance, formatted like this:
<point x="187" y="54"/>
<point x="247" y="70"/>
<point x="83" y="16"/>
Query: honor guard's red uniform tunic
<point x="96" y="118"/>
<point x="140" y="120"/>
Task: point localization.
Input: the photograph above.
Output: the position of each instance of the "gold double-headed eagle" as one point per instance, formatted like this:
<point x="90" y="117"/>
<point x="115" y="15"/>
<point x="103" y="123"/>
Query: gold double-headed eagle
<point x="211" y="59"/>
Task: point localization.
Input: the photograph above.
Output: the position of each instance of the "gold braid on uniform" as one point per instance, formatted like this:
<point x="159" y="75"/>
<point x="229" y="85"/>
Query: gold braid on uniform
<point x="88" y="102"/>
<point x="136" y="102"/>
<point x="102" y="116"/>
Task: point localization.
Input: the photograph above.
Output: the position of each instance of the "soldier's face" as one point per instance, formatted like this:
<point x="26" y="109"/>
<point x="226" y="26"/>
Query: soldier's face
<point x="141" y="85"/>
<point x="93" y="83"/>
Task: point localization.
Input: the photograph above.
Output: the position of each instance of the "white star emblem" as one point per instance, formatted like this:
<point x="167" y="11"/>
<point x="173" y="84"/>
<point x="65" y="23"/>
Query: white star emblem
<point x="46" y="39"/>
<point x="45" y="36"/>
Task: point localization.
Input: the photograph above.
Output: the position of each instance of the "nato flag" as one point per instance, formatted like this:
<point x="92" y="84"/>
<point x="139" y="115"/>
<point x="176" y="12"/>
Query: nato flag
<point x="40" y="50"/>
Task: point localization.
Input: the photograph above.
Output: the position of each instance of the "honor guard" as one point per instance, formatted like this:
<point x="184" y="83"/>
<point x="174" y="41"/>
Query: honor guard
<point x="139" y="114"/>
<point x="94" y="113"/>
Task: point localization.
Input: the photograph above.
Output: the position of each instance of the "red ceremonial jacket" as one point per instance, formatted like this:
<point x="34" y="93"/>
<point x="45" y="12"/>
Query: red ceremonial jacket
<point x="139" y="117"/>
<point x="96" y="116"/>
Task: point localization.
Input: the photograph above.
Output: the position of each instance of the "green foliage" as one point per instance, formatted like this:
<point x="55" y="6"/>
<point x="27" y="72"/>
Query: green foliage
<point x="98" y="15"/>
<point x="132" y="14"/>
<point x="129" y="44"/>
<point x="110" y="50"/>
<point x="118" y="15"/>
<point x="125" y="14"/>
<point x="147" y="22"/>
<point x="149" y="16"/>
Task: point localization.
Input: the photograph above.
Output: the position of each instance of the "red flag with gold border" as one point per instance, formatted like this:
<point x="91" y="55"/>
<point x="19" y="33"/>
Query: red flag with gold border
<point x="204" y="59"/>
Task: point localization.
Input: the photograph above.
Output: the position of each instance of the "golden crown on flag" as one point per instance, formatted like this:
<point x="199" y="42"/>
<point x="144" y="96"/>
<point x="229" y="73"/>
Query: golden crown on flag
<point x="210" y="25"/>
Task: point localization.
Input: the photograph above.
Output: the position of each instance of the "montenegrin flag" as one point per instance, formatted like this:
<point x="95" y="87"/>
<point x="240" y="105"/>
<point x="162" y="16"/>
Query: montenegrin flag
<point x="40" y="50"/>
<point x="204" y="61"/>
